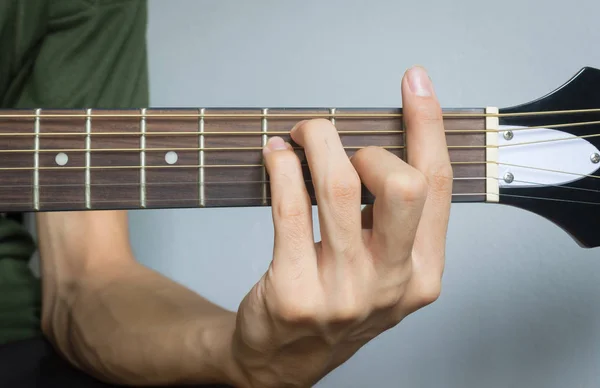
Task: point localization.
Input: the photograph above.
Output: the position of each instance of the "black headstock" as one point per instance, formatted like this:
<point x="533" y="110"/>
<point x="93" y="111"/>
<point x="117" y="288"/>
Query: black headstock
<point x="574" y="204"/>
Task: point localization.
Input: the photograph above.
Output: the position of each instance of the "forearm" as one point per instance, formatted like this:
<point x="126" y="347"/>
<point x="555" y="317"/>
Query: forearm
<point x="140" y="328"/>
<point x="122" y="322"/>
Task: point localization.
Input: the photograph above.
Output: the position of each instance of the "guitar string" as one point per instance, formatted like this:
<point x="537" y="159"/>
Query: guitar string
<point x="546" y="141"/>
<point x="262" y="182"/>
<point x="181" y="183"/>
<point x="546" y="170"/>
<point x="281" y="133"/>
<point x="285" y="115"/>
<point x="121" y="202"/>
<point x="355" y="132"/>
<point x="305" y="165"/>
<point x="278" y="133"/>
<point x="553" y="185"/>
<point x="248" y="148"/>
<point x="550" y="199"/>
<point x="364" y="200"/>
<point x="198" y="166"/>
<point x="258" y="148"/>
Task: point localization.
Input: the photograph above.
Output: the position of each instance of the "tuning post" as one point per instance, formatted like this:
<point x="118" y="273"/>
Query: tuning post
<point x="508" y="135"/>
<point x="595" y="158"/>
<point x="509" y="177"/>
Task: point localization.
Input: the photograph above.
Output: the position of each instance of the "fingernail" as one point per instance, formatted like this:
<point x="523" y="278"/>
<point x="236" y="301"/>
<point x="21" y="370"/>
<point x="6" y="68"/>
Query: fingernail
<point x="419" y="82"/>
<point x="276" y="144"/>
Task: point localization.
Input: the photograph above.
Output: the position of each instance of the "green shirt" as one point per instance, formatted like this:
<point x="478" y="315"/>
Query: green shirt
<point x="61" y="54"/>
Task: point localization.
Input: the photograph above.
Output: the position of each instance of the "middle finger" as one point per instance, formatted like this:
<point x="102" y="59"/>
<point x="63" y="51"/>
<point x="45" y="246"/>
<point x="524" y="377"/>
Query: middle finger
<point x="336" y="182"/>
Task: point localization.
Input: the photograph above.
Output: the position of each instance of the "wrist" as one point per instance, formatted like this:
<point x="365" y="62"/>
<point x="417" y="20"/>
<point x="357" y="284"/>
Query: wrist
<point x="215" y="343"/>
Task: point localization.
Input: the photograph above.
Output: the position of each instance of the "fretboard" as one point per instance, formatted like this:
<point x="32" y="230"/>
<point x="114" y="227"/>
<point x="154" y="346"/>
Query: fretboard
<point x="181" y="158"/>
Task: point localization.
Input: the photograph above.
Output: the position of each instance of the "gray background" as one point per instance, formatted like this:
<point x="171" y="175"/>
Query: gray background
<point x="520" y="305"/>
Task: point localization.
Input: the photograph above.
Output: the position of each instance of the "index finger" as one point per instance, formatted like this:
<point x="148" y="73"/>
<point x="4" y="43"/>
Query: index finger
<point x="428" y="152"/>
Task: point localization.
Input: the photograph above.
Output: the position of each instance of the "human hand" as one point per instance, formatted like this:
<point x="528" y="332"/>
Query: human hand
<point x="319" y="303"/>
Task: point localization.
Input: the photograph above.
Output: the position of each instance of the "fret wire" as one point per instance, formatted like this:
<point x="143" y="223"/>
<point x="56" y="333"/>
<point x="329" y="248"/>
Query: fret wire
<point x="36" y="162"/>
<point x="201" y="159"/>
<point x="264" y="129"/>
<point x="143" y="160"/>
<point x="88" y="160"/>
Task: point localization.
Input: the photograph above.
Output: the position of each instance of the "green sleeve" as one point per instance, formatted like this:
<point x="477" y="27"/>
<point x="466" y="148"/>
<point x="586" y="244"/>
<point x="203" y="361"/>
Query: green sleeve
<point x="61" y="54"/>
<point x="93" y="55"/>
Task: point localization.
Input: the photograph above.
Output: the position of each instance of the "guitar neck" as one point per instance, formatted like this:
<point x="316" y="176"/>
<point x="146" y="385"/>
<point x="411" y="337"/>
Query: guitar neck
<point x="54" y="160"/>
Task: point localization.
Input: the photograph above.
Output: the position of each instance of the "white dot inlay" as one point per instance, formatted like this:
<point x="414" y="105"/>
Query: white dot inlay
<point x="61" y="159"/>
<point x="171" y="157"/>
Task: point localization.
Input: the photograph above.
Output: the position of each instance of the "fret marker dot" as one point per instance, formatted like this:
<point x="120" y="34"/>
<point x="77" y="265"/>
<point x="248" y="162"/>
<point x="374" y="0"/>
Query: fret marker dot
<point x="171" y="157"/>
<point x="61" y="159"/>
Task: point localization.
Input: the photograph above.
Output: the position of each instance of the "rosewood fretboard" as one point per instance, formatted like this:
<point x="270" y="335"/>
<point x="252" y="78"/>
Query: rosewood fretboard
<point x="165" y="158"/>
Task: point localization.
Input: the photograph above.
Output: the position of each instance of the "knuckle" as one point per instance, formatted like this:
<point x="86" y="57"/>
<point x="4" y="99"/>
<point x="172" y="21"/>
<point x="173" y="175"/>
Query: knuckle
<point x="428" y="113"/>
<point x="298" y="311"/>
<point x="406" y="187"/>
<point x="429" y="292"/>
<point x="343" y="186"/>
<point x="292" y="222"/>
<point x="285" y="163"/>
<point x="441" y="177"/>
<point x="387" y="299"/>
<point x="393" y="286"/>
<point x="292" y="210"/>
<point x="345" y="246"/>
<point x="348" y="248"/>
<point x="346" y="313"/>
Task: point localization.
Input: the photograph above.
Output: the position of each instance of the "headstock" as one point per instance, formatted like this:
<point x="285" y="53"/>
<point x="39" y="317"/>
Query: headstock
<point x="557" y="174"/>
